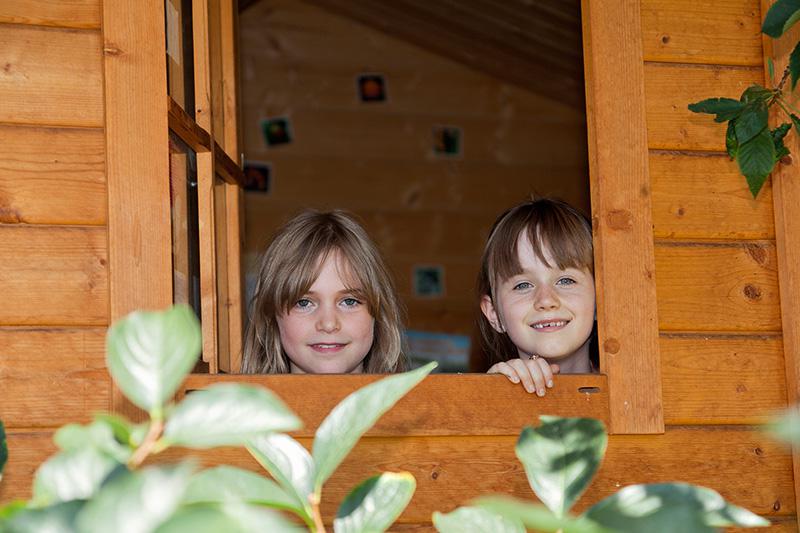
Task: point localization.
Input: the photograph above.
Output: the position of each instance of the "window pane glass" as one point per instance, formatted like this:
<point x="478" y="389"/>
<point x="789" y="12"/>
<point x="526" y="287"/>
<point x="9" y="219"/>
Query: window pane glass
<point x="180" y="53"/>
<point x="185" y="234"/>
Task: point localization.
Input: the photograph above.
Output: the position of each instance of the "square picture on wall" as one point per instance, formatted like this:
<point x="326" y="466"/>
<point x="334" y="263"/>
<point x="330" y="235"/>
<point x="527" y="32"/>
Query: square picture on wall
<point x="276" y="131"/>
<point x="257" y="176"/>
<point x="447" y="141"/>
<point x="371" y="88"/>
<point x="428" y="281"/>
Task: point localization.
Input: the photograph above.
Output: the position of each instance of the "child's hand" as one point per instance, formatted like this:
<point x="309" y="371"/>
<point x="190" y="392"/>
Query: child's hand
<point x="536" y="374"/>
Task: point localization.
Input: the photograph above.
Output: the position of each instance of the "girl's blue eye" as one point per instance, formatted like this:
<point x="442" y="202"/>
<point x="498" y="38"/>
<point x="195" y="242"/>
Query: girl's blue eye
<point x="350" y="302"/>
<point x="302" y="303"/>
<point x="522" y="286"/>
<point x="566" y="281"/>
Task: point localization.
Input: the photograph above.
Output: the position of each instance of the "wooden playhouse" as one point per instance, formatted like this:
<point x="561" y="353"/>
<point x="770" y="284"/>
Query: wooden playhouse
<point x="108" y="108"/>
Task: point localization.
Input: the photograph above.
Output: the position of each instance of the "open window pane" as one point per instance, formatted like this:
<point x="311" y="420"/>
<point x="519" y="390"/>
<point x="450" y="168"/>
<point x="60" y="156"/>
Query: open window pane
<point x="180" y="53"/>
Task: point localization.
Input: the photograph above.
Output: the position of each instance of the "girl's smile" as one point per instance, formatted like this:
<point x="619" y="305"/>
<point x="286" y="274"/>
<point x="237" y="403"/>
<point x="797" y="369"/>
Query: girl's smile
<point x="329" y="330"/>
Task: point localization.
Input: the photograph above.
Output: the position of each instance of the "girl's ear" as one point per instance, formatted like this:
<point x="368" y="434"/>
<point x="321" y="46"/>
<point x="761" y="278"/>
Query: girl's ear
<point x="487" y="307"/>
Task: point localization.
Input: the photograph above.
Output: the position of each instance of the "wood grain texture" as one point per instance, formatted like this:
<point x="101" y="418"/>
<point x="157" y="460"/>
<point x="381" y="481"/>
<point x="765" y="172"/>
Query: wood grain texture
<point x="703" y="196"/>
<point x="60" y="13"/>
<point x="717" y="379"/>
<point x="719" y="32"/>
<point x="137" y="155"/>
<point x="622" y="221"/>
<point x="187" y="129"/>
<point x="670" y="89"/>
<point x="52" y="377"/>
<point x="727" y="287"/>
<point x="750" y="470"/>
<point x="786" y="197"/>
<point x="52" y="176"/>
<point x="235" y="303"/>
<point x="53" y="275"/>
<point x="51" y="76"/>
<point x="441" y="405"/>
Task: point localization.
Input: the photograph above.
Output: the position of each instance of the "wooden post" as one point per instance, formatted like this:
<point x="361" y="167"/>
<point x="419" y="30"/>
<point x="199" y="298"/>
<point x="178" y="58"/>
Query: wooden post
<point x="620" y="188"/>
<point x="786" y="198"/>
<point x="137" y="161"/>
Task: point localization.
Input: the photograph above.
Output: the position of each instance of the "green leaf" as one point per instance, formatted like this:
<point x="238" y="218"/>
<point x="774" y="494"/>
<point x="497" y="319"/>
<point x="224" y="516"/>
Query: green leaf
<point x="3" y="449"/>
<point x="75" y="474"/>
<point x="354" y="415"/>
<point x="756" y="93"/>
<point x="11" y="509"/>
<point x="136" y="502"/>
<point x="289" y="463"/>
<point x="780" y="17"/>
<point x="723" y="108"/>
<point x="149" y="354"/>
<point x="796" y="123"/>
<point x="227" y="415"/>
<point x="124" y="431"/>
<point x="98" y="435"/>
<point x="752" y="121"/>
<point x="225" y="484"/>
<point x="794" y="65"/>
<point x="669" y="507"/>
<point x="375" y="503"/>
<point x="756" y="160"/>
<point x="786" y="427"/>
<point x="778" y="135"/>
<point x="475" y="520"/>
<point x="230" y="518"/>
<point x="537" y="517"/>
<point x="560" y="457"/>
<point x="731" y="144"/>
<point x="59" y="518"/>
<point x="771" y="69"/>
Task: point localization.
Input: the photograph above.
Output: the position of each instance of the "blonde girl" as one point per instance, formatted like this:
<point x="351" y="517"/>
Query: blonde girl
<point x="324" y="302"/>
<point x="537" y="294"/>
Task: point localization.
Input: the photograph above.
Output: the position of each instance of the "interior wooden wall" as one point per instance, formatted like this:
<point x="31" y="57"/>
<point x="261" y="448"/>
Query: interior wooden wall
<point x="376" y="159"/>
<point x="53" y="258"/>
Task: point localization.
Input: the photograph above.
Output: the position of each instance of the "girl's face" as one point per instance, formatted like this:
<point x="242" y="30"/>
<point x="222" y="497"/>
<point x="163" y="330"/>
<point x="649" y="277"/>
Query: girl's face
<point x="329" y="330"/>
<point x="545" y="310"/>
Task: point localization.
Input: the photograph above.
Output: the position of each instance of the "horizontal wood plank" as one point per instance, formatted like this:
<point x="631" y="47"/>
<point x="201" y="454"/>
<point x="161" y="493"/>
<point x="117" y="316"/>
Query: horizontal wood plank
<point x="440" y="405"/>
<point x="61" y="13"/>
<point x="743" y="464"/>
<point x="716" y="379"/>
<point x="378" y="135"/>
<point x="52" y="175"/>
<point x="704" y="196"/>
<point x="53" y="376"/>
<point x="51" y="76"/>
<point x="669" y="89"/>
<point x="53" y="275"/>
<point x="717" y="287"/>
<point x="720" y="32"/>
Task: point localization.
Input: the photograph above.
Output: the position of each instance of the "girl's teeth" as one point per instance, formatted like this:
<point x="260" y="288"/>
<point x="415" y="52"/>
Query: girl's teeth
<point x="549" y="325"/>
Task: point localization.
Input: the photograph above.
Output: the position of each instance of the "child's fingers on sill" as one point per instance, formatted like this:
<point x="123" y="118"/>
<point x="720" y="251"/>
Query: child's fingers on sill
<point x="506" y="370"/>
<point x="530" y="374"/>
<point x="547" y="372"/>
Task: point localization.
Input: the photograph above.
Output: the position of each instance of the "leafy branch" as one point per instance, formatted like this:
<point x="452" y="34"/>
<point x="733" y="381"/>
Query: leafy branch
<point x="748" y="139"/>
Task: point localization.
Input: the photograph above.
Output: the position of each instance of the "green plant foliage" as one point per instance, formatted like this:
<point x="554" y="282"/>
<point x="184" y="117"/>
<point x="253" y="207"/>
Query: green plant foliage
<point x="99" y="435"/>
<point x="794" y="65"/>
<point x="560" y="458"/>
<point x="724" y="108"/>
<point x="3" y="449"/>
<point x="731" y="143"/>
<point x="670" y="507"/>
<point x="375" y="504"/>
<point x="780" y="17"/>
<point x="58" y="518"/>
<point x="354" y="415"/>
<point x="150" y="353"/>
<point x="756" y="160"/>
<point x="291" y="466"/>
<point x="71" y="475"/>
<point x="227" y="518"/>
<point x="227" y="484"/>
<point x="136" y="502"/>
<point x="537" y="517"/>
<point x="786" y="427"/>
<point x="475" y="520"/>
<point x="227" y="415"/>
<point x="124" y="432"/>
<point x="778" y="135"/>
<point x="751" y="121"/>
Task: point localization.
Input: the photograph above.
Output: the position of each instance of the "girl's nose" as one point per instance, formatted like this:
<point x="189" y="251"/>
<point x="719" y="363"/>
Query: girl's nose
<point x="328" y="321"/>
<point x="546" y="298"/>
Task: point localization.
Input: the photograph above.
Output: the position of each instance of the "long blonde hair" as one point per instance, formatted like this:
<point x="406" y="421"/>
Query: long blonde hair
<point x="288" y="269"/>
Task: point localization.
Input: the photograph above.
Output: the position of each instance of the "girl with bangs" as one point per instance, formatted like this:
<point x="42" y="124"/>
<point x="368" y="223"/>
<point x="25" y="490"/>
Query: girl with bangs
<point x="324" y="302"/>
<point x="537" y="295"/>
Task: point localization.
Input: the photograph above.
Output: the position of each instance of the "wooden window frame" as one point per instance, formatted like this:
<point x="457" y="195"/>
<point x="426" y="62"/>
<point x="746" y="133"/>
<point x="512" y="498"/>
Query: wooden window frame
<point x="629" y="397"/>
